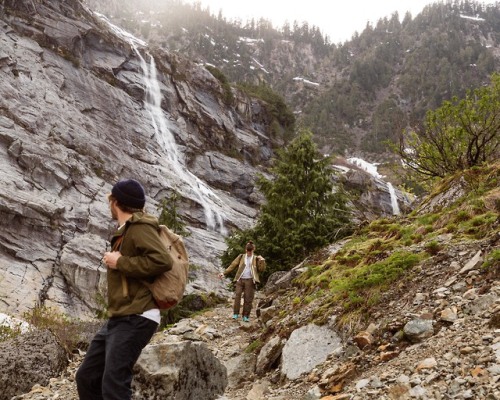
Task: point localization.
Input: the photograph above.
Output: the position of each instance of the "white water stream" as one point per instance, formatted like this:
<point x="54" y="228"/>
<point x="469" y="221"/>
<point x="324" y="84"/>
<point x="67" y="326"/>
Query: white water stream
<point x="166" y="140"/>
<point x="394" y="199"/>
<point x="372" y="170"/>
<point x="211" y="203"/>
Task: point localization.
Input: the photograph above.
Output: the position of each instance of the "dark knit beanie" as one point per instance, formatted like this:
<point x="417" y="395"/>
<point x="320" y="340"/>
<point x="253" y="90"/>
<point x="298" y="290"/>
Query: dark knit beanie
<point x="129" y="193"/>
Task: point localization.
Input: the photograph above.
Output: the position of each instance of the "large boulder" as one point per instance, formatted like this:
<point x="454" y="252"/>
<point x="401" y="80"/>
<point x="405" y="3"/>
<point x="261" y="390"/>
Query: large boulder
<point x="269" y="355"/>
<point x="29" y="359"/>
<point x="180" y="370"/>
<point x="241" y="369"/>
<point x="308" y="347"/>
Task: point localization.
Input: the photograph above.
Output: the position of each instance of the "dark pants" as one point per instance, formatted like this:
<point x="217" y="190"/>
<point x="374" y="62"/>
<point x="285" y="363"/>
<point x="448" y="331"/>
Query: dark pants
<point x="247" y="288"/>
<point x="106" y="371"/>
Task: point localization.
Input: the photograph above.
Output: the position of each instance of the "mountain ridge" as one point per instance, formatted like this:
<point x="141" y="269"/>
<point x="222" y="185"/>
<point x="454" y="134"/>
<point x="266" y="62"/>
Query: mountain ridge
<point x="359" y="93"/>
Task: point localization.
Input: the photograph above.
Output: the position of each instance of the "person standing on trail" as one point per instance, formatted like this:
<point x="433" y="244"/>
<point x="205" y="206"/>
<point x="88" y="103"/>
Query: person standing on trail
<point x="137" y="254"/>
<point x="247" y="277"/>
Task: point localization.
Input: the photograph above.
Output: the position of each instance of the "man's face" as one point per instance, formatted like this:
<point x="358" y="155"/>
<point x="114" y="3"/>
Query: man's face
<point x="112" y="208"/>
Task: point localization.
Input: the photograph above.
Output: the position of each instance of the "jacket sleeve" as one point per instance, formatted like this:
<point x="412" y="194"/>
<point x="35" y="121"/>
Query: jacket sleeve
<point x="233" y="265"/>
<point x="150" y="257"/>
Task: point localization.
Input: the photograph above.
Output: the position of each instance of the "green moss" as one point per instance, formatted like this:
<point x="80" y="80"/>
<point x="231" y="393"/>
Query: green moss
<point x="477" y="225"/>
<point x="406" y="233"/>
<point x="228" y="97"/>
<point x="275" y="105"/>
<point x="195" y="267"/>
<point x="461" y="216"/>
<point x="364" y="285"/>
<point x="428" y="219"/>
<point x="433" y="247"/>
<point x="417" y="238"/>
<point x="394" y="230"/>
<point x="451" y="228"/>
<point x="350" y="261"/>
<point x="254" y="346"/>
<point x="487" y="219"/>
<point x="190" y="306"/>
<point x="7" y="332"/>
<point x="492" y="261"/>
<point x="378" y="225"/>
<point x="313" y="296"/>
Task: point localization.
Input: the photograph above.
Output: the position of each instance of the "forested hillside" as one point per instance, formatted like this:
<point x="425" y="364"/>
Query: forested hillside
<point x="354" y="95"/>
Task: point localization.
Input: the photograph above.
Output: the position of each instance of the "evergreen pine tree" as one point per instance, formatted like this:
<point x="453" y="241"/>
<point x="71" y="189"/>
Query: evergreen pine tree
<point x="303" y="211"/>
<point x="170" y="216"/>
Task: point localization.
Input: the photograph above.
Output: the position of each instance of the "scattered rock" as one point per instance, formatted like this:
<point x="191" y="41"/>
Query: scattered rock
<point x="27" y="360"/>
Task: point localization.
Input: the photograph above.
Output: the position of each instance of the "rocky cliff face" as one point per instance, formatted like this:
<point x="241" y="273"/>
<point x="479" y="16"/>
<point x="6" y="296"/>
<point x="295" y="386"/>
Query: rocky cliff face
<point x="73" y="120"/>
<point x="84" y="104"/>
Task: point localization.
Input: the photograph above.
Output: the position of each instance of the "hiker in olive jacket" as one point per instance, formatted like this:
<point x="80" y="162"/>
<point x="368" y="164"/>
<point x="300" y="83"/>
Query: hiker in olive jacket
<point x="247" y="277"/>
<point x="137" y="255"/>
<point x="143" y="258"/>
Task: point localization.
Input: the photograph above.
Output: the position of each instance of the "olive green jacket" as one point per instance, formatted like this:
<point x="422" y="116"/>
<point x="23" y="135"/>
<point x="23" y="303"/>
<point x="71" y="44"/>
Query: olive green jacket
<point x="257" y="266"/>
<point x="143" y="258"/>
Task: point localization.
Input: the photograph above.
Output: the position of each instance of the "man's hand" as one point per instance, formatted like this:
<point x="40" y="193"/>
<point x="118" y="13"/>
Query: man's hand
<point x="110" y="258"/>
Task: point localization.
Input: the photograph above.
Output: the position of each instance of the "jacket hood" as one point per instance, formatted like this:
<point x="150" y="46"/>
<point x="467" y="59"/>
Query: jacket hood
<point x="143" y="218"/>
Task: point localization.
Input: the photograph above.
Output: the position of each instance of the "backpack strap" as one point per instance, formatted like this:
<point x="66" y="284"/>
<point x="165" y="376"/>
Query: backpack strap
<point x="118" y="243"/>
<point x="117" y="246"/>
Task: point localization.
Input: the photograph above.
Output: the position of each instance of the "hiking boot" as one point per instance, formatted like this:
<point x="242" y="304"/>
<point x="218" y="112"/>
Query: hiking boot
<point x="236" y="316"/>
<point x="246" y="319"/>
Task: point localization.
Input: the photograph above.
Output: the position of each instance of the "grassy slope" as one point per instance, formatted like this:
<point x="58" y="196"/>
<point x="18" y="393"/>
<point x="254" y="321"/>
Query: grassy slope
<point x="354" y="281"/>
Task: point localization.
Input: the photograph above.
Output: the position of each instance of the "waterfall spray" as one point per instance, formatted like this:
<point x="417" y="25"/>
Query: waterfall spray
<point x="372" y="170"/>
<point x="152" y="102"/>
<point x="166" y="140"/>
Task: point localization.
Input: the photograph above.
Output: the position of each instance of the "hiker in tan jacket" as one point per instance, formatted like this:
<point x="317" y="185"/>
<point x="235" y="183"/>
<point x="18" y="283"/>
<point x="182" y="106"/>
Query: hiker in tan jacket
<point x="247" y="277"/>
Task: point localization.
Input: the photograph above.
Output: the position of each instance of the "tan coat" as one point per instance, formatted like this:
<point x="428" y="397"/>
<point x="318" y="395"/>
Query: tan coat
<point x="258" y="265"/>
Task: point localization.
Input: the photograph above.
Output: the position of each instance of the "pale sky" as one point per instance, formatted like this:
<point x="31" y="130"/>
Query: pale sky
<point x="338" y="19"/>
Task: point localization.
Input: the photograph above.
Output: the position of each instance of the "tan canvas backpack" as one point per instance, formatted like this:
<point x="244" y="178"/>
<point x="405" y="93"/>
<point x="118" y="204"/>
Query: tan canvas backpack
<point x="168" y="288"/>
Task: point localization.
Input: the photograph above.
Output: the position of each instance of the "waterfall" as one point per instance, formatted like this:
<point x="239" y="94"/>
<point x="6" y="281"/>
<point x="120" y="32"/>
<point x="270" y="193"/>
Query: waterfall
<point x="394" y="199"/>
<point x="166" y="140"/>
<point x="372" y="170"/>
<point x="152" y="102"/>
